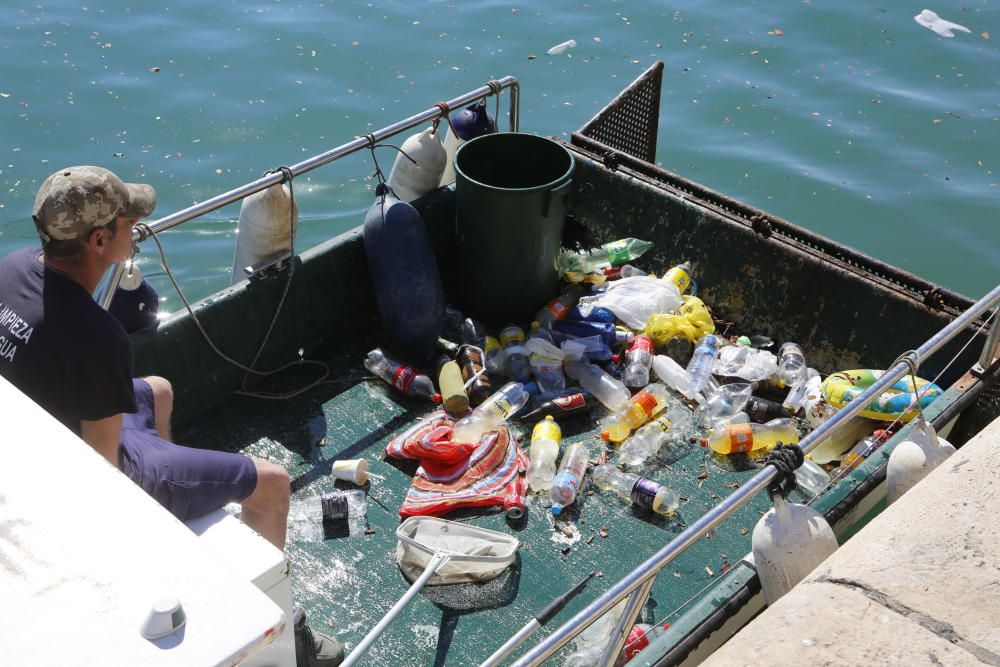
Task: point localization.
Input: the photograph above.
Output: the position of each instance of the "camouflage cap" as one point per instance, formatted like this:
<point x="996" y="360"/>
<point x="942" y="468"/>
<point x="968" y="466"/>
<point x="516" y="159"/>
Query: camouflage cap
<point x="75" y="200"/>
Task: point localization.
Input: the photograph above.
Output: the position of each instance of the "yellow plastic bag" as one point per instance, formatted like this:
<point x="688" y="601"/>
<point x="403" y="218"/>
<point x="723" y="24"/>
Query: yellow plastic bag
<point x="692" y="321"/>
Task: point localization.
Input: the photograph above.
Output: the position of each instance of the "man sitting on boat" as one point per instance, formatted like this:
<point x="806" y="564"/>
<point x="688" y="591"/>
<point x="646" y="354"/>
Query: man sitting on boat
<point x="74" y="359"/>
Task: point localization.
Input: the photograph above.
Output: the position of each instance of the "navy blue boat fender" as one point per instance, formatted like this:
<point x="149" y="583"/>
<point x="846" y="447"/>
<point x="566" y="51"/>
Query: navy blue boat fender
<point x="135" y="303"/>
<point x="404" y="275"/>
<point x="468" y="123"/>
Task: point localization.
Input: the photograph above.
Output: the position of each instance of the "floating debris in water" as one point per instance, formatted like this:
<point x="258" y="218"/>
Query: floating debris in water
<point x="932" y="21"/>
<point x="560" y="49"/>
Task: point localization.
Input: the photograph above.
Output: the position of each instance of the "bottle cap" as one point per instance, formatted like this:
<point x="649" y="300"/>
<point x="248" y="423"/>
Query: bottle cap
<point x="703" y="442"/>
<point x="557" y="509"/>
<point x="605" y="435"/>
<point x="436" y="398"/>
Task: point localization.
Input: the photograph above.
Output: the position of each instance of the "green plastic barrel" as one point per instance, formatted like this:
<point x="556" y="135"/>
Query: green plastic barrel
<point x="511" y="192"/>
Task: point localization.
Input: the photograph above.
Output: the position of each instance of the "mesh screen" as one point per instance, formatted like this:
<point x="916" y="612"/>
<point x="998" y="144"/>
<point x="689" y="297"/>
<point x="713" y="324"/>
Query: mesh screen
<point x="629" y="123"/>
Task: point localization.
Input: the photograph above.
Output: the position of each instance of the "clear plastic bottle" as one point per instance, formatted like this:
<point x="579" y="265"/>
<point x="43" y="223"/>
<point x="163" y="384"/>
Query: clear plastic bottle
<point x="791" y="364"/>
<point x="594" y="348"/>
<point x="640" y="491"/>
<point x="546" y="363"/>
<point x="560" y="306"/>
<point x="624" y="271"/>
<point x="811" y="478"/>
<point x="680" y="276"/>
<point x="566" y="484"/>
<point x="675" y="377"/>
<point x="609" y="391"/>
<point x="722" y="422"/>
<point x="402" y="376"/>
<point x="615" y="253"/>
<point x="494" y="356"/>
<point x="638" y="360"/>
<point x="454" y="398"/>
<point x="493" y="412"/>
<point x="700" y="367"/>
<point x="796" y="397"/>
<point x="516" y="364"/>
<point x="860" y="452"/>
<point x="725" y="402"/>
<point x="646" y="442"/>
<point x="544" y="451"/>
<point x="637" y="411"/>
<point x="537" y="331"/>
<point x="737" y="438"/>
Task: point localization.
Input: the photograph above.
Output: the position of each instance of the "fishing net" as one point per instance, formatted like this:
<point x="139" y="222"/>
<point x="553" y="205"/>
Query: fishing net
<point x="474" y="554"/>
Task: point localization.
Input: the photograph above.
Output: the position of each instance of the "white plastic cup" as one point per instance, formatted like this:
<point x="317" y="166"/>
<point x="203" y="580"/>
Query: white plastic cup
<point x="351" y="470"/>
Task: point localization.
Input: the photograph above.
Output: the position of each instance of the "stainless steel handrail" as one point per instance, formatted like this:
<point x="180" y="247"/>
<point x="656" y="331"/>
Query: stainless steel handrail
<point x="648" y="570"/>
<point x="492" y="87"/>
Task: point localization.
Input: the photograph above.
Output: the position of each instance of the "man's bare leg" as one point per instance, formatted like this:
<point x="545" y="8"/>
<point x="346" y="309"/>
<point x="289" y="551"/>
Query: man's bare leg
<point x="266" y="509"/>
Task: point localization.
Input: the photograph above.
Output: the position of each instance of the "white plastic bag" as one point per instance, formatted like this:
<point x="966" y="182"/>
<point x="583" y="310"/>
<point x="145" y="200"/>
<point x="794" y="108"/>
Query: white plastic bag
<point x="634" y="299"/>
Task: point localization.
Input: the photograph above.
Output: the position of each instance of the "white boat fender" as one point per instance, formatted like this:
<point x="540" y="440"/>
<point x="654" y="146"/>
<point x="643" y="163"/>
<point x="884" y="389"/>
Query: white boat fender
<point x="914" y="458"/>
<point x="267" y="222"/>
<point x="419" y="166"/>
<point x="135" y="303"/>
<point x="790" y="540"/>
<point x="471" y="122"/>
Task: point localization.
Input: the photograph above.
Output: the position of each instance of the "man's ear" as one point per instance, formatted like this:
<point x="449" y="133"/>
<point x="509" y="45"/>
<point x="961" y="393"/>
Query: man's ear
<point x="98" y="239"/>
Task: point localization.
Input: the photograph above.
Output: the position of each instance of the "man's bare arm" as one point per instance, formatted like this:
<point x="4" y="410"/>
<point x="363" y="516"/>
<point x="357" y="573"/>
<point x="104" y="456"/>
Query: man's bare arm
<point x="103" y="435"/>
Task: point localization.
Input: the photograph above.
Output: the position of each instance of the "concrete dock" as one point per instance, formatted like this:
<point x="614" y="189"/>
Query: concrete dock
<point x="919" y="585"/>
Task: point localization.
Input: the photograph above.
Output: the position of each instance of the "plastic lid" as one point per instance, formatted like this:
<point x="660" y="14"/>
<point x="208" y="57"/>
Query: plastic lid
<point x="605" y="435"/>
<point x="703" y="442"/>
<point x="557" y="509"/>
<point x="436" y="398"/>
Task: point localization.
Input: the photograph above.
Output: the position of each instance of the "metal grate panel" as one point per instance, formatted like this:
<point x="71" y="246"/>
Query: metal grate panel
<point x="629" y="122"/>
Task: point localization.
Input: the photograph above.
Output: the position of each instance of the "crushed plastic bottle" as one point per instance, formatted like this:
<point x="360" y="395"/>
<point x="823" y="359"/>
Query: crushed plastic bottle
<point x="637" y="411"/>
<point x="641" y="492"/>
<point x="559" y="308"/>
<point x="702" y="360"/>
<point x="638" y="362"/>
<point x="796" y="397"/>
<point x="493" y="412"/>
<point x="647" y="441"/>
<point x="609" y="391"/>
<point x="516" y="364"/>
<point x="745" y="362"/>
<point x="545" y="438"/>
<point x="725" y="402"/>
<point x="566" y="484"/>
<point x="615" y="253"/>
<point x="546" y="363"/>
<point x="737" y="438"/>
<point x="403" y="377"/>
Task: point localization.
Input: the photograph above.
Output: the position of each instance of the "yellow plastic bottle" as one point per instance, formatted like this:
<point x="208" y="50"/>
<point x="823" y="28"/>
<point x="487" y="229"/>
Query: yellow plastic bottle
<point x="679" y="276"/>
<point x="637" y="411"/>
<point x="738" y="438"/>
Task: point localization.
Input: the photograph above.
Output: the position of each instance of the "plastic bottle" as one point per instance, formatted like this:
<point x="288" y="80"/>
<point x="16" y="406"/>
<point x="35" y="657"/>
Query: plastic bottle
<point x="680" y="276"/>
<point x="566" y="484"/>
<point x="637" y="411"/>
<point x="675" y="377"/>
<point x="762" y="410"/>
<point x="811" y="478"/>
<point x="722" y="422"/>
<point x="860" y="452"/>
<point x="607" y="332"/>
<point x="609" y="391"/>
<point x="473" y="332"/>
<point x="491" y="414"/>
<point x="642" y="492"/>
<point x="815" y="408"/>
<point x="454" y="398"/>
<point x="796" y="397"/>
<point x="537" y="331"/>
<point x="544" y="451"/>
<point x="596" y="314"/>
<point x="639" y="638"/>
<point x="516" y="364"/>
<point x="725" y="402"/>
<point x="563" y="407"/>
<point x="560" y="306"/>
<point x="615" y="253"/>
<point x="843" y="439"/>
<point x="791" y="364"/>
<point x="593" y="347"/>
<point x="474" y="376"/>
<point x="624" y="271"/>
<point x="546" y="363"/>
<point x="399" y="252"/>
<point x="737" y="438"/>
<point x="403" y="377"/>
<point x="494" y="356"/>
<point x="646" y="442"/>
<point x="700" y="367"/>
<point x="638" y="362"/>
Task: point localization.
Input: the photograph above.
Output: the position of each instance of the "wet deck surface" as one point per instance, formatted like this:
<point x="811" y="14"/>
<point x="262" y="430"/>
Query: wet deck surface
<point x="347" y="583"/>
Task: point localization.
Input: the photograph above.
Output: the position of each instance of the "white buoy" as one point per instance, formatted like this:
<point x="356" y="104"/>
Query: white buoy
<point x="788" y="543"/>
<point x="264" y="229"/>
<point x="913" y="458"/>
<point x="410" y="180"/>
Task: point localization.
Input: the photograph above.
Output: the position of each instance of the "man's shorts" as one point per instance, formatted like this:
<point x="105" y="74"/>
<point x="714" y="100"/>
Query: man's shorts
<point x="188" y="482"/>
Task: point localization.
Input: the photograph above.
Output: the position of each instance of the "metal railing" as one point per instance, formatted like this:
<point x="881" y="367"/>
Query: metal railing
<point x="493" y="87"/>
<point x="639" y="582"/>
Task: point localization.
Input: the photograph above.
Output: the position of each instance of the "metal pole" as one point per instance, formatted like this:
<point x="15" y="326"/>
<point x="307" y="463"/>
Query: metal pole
<point x="266" y="181"/>
<point x="621" y="632"/>
<point x="990" y="348"/>
<point x="652" y="566"/>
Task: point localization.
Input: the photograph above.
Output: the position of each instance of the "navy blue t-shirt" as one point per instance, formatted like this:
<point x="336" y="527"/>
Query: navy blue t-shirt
<point x="59" y="346"/>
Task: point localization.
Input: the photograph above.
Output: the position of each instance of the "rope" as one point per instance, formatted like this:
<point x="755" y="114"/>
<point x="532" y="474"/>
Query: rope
<point x="785" y="458"/>
<point x="446" y="114"/>
<point x="496" y="88"/>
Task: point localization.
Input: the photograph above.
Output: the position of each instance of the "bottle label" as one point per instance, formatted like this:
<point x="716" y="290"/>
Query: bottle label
<point x="501" y="408"/>
<point x="570" y="402"/>
<point x="646" y="401"/>
<point x="679" y="277"/>
<point x="546" y="429"/>
<point x="567" y="480"/>
<point x="617" y="252"/>
<point x="644" y="492"/>
<point x="492" y="346"/>
<point x="403" y="377"/>
<point x="613" y="272"/>
<point x="641" y="343"/>
<point x="511" y="335"/>
<point x="663" y="424"/>
<point x="740" y="438"/>
<point x="558" y="309"/>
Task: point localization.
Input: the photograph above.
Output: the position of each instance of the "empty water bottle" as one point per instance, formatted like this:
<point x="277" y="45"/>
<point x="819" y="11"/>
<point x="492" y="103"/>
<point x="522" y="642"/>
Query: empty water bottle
<point x="546" y="363"/>
<point x="724" y="402"/>
<point x="516" y="364"/>
<point x="609" y="391"/>
<point x="537" y="331"/>
<point x="640" y="491"/>
<point x="736" y="438"/>
<point x="647" y="441"/>
<point x="615" y="253"/>
<point x="791" y="364"/>
<point x="544" y="451"/>
<point x="581" y="329"/>
<point x="493" y="412"/>
<point x="402" y="376"/>
<point x="559" y="308"/>
<point x="593" y="348"/>
<point x="799" y="391"/>
<point x="675" y="377"/>
<point x="494" y="356"/>
<point x="566" y="484"/>
<point x="596" y="314"/>
<point x="702" y="360"/>
<point x="637" y="411"/>
<point x="638" y="361"/>
<point x="860" y="452"/>
<point x="811" y="478"/>
<point x="624" y="271"/>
